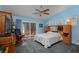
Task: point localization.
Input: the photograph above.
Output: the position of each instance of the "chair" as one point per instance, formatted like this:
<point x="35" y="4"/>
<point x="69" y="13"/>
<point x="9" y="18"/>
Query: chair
<point x="18" y="36"/>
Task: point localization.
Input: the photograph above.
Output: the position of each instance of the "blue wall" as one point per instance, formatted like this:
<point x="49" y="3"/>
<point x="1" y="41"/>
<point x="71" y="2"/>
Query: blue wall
<point x="29" y="18"/>
<point x="72" y="11"/>
<point x="18" y="23"/>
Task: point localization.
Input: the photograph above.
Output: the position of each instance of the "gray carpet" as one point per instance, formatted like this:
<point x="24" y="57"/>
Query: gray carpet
<point x="30" y="46"/>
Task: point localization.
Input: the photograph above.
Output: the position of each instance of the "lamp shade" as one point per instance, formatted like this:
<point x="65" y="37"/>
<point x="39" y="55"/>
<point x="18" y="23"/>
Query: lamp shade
<point x="68" y="21"/>
<point x="72" y="20"/>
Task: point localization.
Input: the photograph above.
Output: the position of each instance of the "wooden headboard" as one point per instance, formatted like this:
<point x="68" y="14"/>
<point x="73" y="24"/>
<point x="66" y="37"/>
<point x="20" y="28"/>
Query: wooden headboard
<point x="54" y="28"/>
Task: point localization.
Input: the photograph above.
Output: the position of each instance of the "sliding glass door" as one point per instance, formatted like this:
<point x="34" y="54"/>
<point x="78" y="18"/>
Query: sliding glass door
<point x="29" y="28"/>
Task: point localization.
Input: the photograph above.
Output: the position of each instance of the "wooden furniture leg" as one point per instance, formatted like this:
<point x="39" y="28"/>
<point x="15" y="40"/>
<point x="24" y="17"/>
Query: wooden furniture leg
<point x="10" y="48"/>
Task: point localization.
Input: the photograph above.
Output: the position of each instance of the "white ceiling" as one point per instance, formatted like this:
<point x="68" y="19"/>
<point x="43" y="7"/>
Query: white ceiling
<point x="28" y="10"/>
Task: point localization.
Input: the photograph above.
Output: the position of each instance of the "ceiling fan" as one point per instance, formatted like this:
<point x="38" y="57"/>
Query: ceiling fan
<point x="41" y="11"/>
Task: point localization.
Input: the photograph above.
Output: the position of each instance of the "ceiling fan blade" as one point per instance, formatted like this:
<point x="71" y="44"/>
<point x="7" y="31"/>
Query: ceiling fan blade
<point x="45" y="10"/>
<point x="38" y="13"/>
<point x="46" y="13"/>
<point x="38" y="10"/>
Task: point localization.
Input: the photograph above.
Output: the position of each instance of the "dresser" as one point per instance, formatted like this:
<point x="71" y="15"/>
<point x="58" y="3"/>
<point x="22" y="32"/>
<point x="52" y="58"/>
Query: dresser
<point x="7" y="39"/>
<point x="67" y="34"/>
<point x="9" y="43"/>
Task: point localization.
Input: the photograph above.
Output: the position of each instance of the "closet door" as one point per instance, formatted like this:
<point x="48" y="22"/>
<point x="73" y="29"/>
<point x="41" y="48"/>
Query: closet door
<point x="26" y="28"/>
<point x="2" y="24"/>
<point x="33" y="28"/>
<point x="29" y="28"/>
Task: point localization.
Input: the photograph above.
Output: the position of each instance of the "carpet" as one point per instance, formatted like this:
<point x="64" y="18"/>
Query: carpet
<point x="31" y="46"/>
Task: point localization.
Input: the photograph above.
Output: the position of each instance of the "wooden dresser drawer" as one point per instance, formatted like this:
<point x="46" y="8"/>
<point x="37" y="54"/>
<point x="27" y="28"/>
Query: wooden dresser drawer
<point x="5" y="40"/>
<point x="67" y="41"/>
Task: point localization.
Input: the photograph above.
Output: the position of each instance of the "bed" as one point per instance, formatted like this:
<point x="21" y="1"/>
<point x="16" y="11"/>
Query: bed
<point x="47" y="39"/>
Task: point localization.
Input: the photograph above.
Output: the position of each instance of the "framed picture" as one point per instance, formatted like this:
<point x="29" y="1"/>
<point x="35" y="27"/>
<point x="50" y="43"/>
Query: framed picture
<point x="40" y="25"/>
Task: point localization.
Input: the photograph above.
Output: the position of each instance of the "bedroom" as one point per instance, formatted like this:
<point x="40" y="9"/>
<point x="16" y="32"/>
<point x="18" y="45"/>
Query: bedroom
<point x="51" y="25"/>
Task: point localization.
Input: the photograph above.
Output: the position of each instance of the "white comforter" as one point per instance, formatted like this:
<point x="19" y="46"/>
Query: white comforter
<point x="47" y="39"/>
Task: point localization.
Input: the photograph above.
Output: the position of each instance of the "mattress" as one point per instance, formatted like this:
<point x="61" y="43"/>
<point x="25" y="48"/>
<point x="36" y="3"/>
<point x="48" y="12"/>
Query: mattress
<point x="47" y="39"/>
